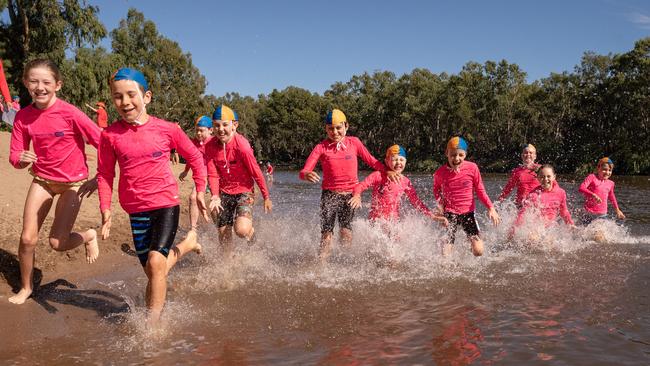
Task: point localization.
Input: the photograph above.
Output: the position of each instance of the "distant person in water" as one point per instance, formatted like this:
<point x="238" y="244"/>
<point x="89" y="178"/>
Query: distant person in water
<point x="57" y="132"/>
<point x="523" y="177"/>
<point x="387" y="195"/>
<point x="597" y="189"/>
<point x="140" y="144"/>
<point x="338" y="155"/>
<point x="454" y="185"/>
<point x="232" y="173"/>
<point x="203" y="130"/>
<point x="269" y="172"/>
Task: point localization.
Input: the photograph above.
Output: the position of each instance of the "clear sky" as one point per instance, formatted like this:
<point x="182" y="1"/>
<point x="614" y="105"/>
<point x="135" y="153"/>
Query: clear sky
<point x="253" y="47"/>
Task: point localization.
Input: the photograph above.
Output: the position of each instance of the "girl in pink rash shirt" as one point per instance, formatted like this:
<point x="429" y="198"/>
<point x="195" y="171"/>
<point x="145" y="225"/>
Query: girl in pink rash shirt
<point x="523" y="177"/>
<point x="549" y="198"/>
<point x="597" y="189"/>
<point x="454" y="185"/>
<point x="203" y="128"/>
<point x="386" y="195"/>
<point x="338" y="158"/>
<point x="57" y="131"/>
<point x="141" y="144"/>
<point x="232" y="173"/>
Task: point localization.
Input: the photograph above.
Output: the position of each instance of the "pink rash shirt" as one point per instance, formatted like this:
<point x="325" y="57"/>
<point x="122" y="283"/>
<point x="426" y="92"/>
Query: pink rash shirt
<point x="339" y="163"/>
<point x="454" y="190"/>
<point x="386" y="195"/>
<point x="550" y="203"/>
<point x="232" y="167"/>
<point x="142" y="153"/>
<point x="57" y="135"/>
<point x="200" y="145"/>
<point x="524" y="179"/>
<point x="603" y="189"/>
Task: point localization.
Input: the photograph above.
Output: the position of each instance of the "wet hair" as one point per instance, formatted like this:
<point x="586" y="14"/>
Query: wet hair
<point x="549" y="166"/>
<point x="45" y="63"/>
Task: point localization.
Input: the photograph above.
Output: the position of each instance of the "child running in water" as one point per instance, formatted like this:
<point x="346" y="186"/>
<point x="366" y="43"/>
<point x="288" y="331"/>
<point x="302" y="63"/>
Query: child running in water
<point x="597" y="189"/>
<point x="338" y="157"/>
<point x="523" y="177"/>
<point x="454" y="185"/>
<point x="203" y="137"/>
<point x="141" y="144"/>
<point x="57" y="131"/>
<point x="232" y="173"/>
<point x="548" y="198"/>
<point x="386" y="195"/>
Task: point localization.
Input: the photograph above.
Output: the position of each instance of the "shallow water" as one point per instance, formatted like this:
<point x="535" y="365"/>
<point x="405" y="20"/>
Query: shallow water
<point x="567" y="301"/>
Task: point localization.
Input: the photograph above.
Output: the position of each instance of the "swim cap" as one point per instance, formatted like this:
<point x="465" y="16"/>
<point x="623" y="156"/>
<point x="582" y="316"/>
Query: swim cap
<point x="396" y="150"/>
<point x="335" y="117"/>
<point x="16" y="97"/>
<point x="126" y="73"/>
<point x="457" y="142"/>
<point x="203" y="121"/>
<point x="224" y="113"/>
<point x="100" y="104"/>
<point x="528" y="146"/>
<point x="605" y="160"/>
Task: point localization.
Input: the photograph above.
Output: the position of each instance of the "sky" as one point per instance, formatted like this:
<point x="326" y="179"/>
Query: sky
<point x="253" y="47"/>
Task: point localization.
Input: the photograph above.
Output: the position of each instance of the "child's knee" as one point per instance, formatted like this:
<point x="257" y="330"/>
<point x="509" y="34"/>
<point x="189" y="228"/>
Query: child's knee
<point x="477" y="246"/>
<point x="28" y="240"/>
<point x="242" y="231"/>
<point x="156" y="265"/>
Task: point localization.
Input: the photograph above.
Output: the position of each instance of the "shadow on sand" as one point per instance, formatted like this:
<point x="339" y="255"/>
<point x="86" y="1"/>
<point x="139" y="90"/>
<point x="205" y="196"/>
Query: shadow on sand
<point x="61" y="291"/>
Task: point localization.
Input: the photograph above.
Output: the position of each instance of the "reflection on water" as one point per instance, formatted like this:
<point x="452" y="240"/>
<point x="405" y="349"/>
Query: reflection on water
<point x="385" y="301"/>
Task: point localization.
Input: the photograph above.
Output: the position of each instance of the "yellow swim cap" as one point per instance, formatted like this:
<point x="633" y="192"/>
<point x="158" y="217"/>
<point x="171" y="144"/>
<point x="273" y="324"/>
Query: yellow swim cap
<point x="335" y="117"/>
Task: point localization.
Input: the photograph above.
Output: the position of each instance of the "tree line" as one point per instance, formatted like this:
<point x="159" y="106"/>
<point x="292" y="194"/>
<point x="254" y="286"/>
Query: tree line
<point x="601" y="108"/>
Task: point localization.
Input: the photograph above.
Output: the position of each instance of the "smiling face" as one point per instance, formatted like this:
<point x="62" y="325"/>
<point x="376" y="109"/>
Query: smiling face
<point x="528" y="156"/>
<point x="42" y="86"/>
<point x="224" y="130"/>
<point x="130" y="101"/>
<point x="396" y="163"/>
<point x="336" y="133"/>
<point x="604" y="171"/>
<point x="546" y="177"/>
<point x="455" y="157"/>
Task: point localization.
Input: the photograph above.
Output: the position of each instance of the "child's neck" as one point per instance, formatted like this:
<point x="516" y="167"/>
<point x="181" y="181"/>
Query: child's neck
<point x="45" y="106"/>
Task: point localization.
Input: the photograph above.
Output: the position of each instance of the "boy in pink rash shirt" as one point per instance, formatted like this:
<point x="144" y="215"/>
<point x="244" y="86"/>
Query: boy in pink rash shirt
<point x="454" y="185"/>
<point x="597" y="189"/>
<point x="386" y="195"/>
<point x="549" y="198"/>
<point x="232" y="173"/>
<point x="141" y="144"/>
<point x="203" y="129"/>
<point x="338" y="158"/>
<point x="56" y="130"/>
<point x="523" y="177"/>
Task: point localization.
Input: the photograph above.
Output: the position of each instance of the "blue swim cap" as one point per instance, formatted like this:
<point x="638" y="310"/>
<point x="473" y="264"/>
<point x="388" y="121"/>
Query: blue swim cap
<point x="204" y="121"/>
<point x="126" y="73"/>
<point x="457" y="142"/>
<point x="396" y="150"/>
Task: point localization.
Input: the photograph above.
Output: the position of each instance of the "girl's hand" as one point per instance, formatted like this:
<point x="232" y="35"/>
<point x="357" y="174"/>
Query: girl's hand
<point x="200" y="201"/>
<point x="27" y="157"/>
<point x="87" y="188"/>
<point x="268" y="205"/>
<point x="619" y="214"/>
<point x="494" y="216"/>
<point x="355" y="201"/>
<point x="393" y="176"/>
<point x="441" y="219"/>
<point x="312" y="177"/>
<point x="215" y="204"/>
<point x="182" y="176"/>
<point x="595" y="196"/>
<point x="106" y="224"/>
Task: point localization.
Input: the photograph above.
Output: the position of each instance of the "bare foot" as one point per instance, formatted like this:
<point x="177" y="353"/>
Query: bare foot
<point x="192" y="240"/>
<point x="92" y="248"/>
<point x="20" y="297"/>
<point x="447" y="249"/>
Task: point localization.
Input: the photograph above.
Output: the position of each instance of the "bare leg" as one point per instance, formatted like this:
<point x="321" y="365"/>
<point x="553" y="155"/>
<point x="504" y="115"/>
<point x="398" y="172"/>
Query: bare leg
<point x="189" y="244"/>
<point x="244" y="227"/>
<point x="61" y="236"/>
<point x="225" y="239"/>
<point x="325" y="249"/>
<point x="194" y="210"/>
<point x="37" y="205"/>
<point x="345" y="237"/>
<point x="477" y="245"/>
<point x="447" y="248"/>
<point x="156" y="270"/>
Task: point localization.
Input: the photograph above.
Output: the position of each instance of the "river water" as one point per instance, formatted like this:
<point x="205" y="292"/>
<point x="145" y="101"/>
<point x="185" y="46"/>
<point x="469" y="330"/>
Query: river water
<point x="569" y="301"/>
